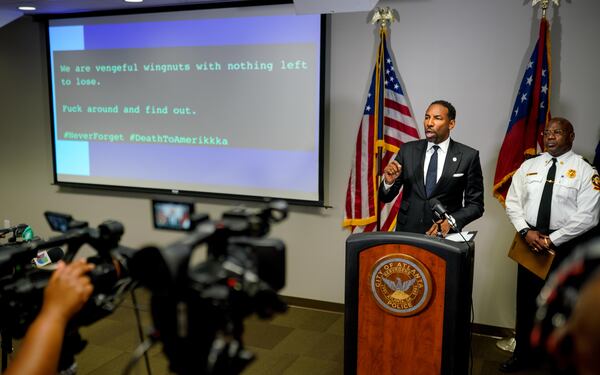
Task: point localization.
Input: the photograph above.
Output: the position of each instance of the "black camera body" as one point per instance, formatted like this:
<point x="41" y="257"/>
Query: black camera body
<point x="197" y="310"/>
<point x="22" y="285"/>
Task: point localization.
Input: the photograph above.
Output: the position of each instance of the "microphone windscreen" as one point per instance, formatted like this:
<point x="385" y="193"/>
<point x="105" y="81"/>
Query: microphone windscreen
<point x="50" y="256"/>
<point x="438" y="207"/>
<point x="55" y="254"/>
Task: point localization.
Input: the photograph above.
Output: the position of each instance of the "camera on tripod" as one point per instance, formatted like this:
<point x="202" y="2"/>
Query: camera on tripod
<point x="22" y="284"/>
<point x="197" y="309"/>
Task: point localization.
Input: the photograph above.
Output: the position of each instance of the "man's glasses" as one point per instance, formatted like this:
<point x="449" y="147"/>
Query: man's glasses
<point x="555" y="132"/>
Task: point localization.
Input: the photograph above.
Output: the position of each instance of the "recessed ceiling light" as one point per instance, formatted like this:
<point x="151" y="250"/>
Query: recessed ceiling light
<point x="26" y="8"/>
<point x="133" y="1"/>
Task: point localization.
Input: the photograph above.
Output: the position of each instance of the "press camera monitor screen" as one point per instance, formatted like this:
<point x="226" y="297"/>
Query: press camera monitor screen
<point x="58" y="222"/>
<point x="172" y="215"/>
<point x="216" y="102"/>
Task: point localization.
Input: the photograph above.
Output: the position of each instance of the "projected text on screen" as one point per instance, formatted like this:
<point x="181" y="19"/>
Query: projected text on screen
<point x="199" y="103"/>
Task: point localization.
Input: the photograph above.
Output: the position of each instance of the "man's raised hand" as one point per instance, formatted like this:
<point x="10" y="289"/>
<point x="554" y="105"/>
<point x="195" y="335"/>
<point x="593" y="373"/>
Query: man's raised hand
<point x="392" y="171"/>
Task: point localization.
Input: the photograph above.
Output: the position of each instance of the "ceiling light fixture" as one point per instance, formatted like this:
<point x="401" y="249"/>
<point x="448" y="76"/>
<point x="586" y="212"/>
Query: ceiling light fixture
<point x="26" y="7"/>
<point x="133" y="1"/>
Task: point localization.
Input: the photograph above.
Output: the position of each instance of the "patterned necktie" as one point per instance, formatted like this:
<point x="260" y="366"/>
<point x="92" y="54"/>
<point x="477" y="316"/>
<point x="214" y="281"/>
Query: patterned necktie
<point x="543" y="219"/>
<point x="431" y="177"/>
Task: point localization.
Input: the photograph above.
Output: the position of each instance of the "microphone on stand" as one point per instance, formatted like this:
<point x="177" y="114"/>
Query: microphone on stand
<point x="440" y="212"/>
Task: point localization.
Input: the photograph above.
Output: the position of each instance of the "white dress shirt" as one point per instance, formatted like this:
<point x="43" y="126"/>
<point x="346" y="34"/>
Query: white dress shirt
<point x="442" y="152"/>
<point x="575" y="198"/>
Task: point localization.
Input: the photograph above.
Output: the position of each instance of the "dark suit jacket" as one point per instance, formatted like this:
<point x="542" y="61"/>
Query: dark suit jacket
<point x="459" y="189"/>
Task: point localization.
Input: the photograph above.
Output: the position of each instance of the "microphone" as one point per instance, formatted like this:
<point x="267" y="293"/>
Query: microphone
<point x="441" y="213"/>
<point x="45" y="258"/>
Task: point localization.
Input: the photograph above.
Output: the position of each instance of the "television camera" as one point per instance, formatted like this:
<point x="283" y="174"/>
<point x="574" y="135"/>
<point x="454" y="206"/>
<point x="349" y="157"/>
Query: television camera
<point x="22" y="284"/>
<point x="197" y="309"/>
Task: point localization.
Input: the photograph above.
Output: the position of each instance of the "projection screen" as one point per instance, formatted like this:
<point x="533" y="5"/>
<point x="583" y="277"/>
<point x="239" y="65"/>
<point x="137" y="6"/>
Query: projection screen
<point x="217" y="102"/>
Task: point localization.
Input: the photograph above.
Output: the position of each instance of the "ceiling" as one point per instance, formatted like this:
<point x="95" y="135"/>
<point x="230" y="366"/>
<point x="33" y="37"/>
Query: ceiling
<point x="79" y="6"/>
<point x="9" y="11"/>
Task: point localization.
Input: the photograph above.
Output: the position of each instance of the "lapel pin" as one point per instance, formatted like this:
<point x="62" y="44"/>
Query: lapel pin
<point x="454" y="158"/>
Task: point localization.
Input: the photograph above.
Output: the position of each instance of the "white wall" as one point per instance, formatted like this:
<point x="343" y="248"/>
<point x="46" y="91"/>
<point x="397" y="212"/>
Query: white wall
<point x="470" y="52"/>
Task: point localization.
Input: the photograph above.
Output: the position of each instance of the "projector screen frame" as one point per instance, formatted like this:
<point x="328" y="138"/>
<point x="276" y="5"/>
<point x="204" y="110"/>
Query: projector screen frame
<point x="319" y="202"/>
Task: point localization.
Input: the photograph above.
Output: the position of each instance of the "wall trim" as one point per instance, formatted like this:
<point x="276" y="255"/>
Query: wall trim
<point x="476" y="328"/>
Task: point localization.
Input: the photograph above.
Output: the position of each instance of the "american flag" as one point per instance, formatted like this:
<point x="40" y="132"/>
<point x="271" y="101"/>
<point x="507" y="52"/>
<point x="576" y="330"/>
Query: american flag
<point x="530" y="114"/>
<point x="386" y="124"/>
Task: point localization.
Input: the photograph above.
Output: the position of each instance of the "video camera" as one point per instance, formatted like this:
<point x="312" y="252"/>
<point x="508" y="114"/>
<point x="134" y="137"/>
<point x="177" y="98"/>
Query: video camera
<point x="197" y="309"/>
<point x="22" y="284"/>
<point x="19" y="279"/>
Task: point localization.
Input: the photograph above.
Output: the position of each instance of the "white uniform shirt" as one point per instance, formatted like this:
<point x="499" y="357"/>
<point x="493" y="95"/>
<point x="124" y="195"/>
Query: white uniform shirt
<point x="575" y="196"/>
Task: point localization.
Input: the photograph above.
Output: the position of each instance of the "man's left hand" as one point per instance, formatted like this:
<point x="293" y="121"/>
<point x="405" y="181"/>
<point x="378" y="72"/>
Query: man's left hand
<point x="444" y="225"/>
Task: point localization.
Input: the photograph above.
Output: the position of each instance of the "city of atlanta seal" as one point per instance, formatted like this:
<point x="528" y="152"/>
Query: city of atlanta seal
<point x="401" y="285"/>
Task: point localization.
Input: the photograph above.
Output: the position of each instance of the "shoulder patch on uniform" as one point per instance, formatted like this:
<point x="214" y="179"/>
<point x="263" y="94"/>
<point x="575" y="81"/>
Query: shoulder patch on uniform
<point x="596" y="181"/>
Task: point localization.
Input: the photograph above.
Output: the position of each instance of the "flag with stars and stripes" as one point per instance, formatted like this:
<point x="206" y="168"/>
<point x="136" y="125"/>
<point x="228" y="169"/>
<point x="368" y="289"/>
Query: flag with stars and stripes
<point x="386" y="124"/>
<point x="529" y="117"/>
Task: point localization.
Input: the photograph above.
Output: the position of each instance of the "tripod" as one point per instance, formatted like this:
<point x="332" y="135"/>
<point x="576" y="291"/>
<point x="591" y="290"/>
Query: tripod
<point x="7" y="348"/>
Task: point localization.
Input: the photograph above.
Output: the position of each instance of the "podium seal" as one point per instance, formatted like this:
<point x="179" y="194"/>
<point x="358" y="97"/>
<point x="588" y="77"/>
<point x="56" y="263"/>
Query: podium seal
<point x="401" y="285"/>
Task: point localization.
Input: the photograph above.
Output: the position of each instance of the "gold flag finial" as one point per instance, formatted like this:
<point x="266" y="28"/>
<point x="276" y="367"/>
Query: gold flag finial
<point x="545" y="4"/>
<point x="383" y="16"/>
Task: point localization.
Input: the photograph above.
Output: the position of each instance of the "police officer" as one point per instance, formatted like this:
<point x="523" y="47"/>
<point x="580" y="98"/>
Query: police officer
<point x="554" y="199"/>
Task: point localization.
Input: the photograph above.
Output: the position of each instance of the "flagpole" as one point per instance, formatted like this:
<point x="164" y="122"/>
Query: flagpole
<point x="509" y="343"/>
<point x="382" y="16"/>
<point x="544" y="4"/>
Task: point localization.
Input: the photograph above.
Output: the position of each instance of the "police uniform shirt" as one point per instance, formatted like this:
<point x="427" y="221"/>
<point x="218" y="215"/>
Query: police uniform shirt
<point x="575" y="196"/>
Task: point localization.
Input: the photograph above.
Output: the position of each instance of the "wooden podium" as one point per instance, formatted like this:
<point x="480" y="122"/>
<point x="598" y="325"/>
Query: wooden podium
<point x="408" y="305"/>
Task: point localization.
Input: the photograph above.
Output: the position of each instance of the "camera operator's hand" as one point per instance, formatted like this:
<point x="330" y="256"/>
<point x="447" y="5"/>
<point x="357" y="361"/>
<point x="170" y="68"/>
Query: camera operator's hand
<point x="68" y="289"/>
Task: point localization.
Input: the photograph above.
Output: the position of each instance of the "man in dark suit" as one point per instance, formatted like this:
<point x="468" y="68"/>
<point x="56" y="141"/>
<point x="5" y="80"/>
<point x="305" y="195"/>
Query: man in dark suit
<point x="437" y="168"/>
